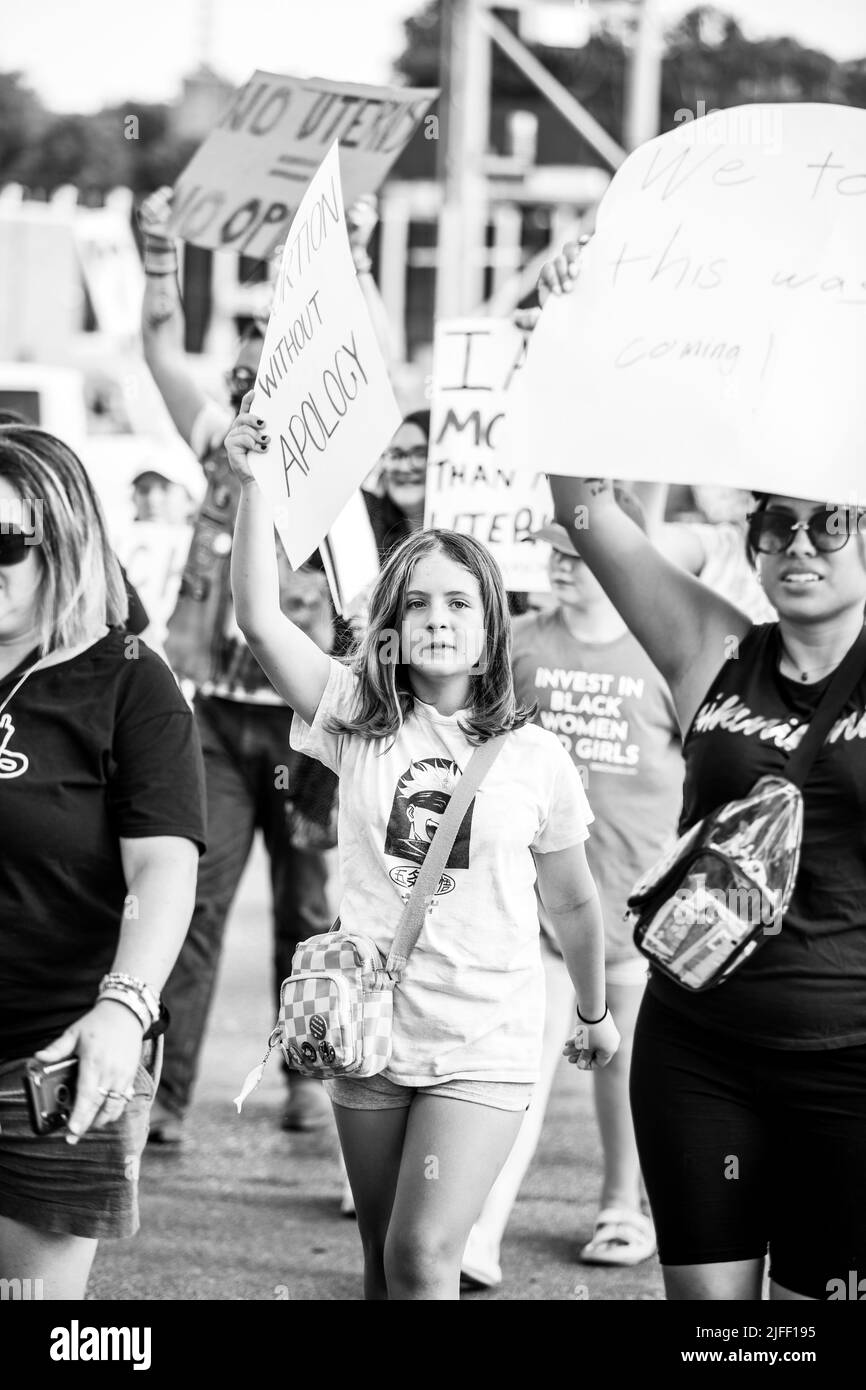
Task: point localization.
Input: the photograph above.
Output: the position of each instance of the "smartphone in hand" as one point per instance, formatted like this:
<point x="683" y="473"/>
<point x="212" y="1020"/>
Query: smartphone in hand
<point x="50" y="1092"/>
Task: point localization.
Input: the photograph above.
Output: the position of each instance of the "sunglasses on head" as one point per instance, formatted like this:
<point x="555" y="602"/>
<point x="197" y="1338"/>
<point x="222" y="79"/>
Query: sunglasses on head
<point x="14" y="545"/>
<point x="772" y="530"/>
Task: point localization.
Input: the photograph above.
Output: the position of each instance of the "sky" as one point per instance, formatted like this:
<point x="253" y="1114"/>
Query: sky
<point x="82" y="55"/>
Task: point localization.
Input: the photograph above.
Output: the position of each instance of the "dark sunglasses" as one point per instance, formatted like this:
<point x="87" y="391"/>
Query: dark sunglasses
<point x="14" y="545"/>
<point x="772" y="531"/>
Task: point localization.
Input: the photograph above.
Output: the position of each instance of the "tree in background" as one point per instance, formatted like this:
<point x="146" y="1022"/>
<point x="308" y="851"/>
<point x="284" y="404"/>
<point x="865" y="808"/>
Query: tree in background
<point x="708" y="59"/>
<point x="22" y="122"/>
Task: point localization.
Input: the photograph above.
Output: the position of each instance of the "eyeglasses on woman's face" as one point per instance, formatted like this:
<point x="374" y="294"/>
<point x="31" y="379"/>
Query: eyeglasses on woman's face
<point x="417" y="454"/>
<point x="829" y="528"/>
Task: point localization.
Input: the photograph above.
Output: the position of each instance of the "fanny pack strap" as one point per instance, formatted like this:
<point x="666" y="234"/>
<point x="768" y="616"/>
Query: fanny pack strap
<point x="412" y="920"/>
<point x="846" y="676"/>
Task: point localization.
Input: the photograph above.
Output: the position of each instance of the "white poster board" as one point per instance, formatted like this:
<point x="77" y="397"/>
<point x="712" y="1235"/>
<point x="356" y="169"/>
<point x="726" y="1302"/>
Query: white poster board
<point x="469" y="489"/>
<point x="112" y="270"/>
<point x="717" y="331"/>
<point x="349" y="554"/>
<point x="242" y="187"/>
<point x="322" y="387"/>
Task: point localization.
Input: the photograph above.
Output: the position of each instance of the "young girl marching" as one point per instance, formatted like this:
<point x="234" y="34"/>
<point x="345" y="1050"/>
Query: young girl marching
<point x="425" y="1139"/>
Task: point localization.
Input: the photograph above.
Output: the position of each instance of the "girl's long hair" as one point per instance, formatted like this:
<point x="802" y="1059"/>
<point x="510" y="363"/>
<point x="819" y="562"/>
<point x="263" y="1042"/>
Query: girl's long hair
<point x="82" y="588"/>
<point x="384" y="696"/>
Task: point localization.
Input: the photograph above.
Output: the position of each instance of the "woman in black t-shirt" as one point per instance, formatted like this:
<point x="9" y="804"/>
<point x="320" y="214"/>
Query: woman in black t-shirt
<point x="101" y="825"/>
<point x="749" y="1100"/>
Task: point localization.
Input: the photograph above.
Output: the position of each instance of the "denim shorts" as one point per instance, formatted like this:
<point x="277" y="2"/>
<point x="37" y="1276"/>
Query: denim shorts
<point x="87" y="1189"/>
<point x="378" y="1093"/>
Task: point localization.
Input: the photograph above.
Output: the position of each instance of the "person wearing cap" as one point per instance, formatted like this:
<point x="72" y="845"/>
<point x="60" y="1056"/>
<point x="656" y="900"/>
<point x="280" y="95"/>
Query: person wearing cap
<point x="153" y="547"/>
<point x="596" y="688"/>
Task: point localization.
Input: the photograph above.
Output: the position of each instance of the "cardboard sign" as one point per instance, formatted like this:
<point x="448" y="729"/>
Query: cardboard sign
<point x="717" y="331"/>
<point x="469" y="489"/>
<point x="322" y="386"/>
<point x="244" y="184"/>
<point x="349" y="555"/>
<point x="112" y="270"/>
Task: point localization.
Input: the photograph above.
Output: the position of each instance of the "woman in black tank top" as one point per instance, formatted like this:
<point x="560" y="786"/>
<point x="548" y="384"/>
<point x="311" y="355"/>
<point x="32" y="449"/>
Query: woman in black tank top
<point x="750" y="1100"/>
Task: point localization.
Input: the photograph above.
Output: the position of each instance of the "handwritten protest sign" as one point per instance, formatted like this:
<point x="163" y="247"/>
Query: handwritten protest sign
<point x="468" y="489"/>
<point x="244" y="184"/>
<point x="112" y="270"/>
<point x="717" y="331"/>
<point x="322" y="386"/>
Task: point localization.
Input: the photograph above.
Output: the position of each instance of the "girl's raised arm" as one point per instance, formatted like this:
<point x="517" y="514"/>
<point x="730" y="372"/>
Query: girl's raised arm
<point x="296" y="667"/>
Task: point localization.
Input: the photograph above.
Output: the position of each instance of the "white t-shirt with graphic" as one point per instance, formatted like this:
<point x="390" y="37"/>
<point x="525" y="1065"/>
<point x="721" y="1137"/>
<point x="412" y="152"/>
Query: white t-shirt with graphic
<point x="471" y="1000"/>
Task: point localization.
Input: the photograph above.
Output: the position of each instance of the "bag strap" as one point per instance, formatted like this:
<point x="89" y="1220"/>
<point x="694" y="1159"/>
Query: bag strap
<point x="412" y="921"/>
<point x="846" y="676"/>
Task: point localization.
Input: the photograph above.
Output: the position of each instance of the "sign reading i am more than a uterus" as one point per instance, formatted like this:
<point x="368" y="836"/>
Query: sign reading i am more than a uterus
<point x="322" y="386"/>
<point x="468" y="489"/>
<point x="717" y="329"/>
<point x="244" y="184"/>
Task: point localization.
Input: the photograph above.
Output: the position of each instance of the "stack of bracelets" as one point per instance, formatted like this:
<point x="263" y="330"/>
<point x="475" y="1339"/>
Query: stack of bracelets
<point x="160" y="255"/>
<point x="135" y="994"/>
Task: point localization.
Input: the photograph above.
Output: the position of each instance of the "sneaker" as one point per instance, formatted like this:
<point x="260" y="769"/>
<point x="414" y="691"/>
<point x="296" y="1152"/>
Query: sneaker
<point x="166" y="1128"/>
<point x="479" y="1268"/>
<point x="308" y="1107"/>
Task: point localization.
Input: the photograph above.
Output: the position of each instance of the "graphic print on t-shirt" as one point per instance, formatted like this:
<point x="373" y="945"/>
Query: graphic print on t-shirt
<point x="585" y="710"/>
<point x="420" y="799"/>
<point x="11" y="764"/>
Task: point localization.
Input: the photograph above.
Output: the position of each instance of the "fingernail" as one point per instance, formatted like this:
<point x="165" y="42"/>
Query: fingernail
<point x="260" y="422"/>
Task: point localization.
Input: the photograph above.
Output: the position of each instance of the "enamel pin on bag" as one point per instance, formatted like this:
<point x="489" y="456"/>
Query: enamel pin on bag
<point x="725" y="887"/>
<point x="337" y="1006"/>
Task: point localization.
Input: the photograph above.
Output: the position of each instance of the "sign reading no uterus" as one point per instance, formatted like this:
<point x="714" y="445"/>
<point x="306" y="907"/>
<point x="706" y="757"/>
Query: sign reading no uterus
<point x="717" y="331"/>
<point x="322" y="386"/>
<point x="468" y="489"/>
<point x="243" y="185"/>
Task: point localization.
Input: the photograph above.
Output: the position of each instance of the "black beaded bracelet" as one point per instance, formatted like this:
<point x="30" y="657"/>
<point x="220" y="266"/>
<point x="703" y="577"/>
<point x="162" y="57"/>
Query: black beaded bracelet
<point x="591" y="1021"/>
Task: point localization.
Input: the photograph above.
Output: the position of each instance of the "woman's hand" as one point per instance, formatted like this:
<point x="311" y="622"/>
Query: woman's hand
<point x="107" y="1043"/>
<point x="593" y="1044"/>
<point x="560" y="275"/>
<point x="361" y="218"/>
<point x="246" y="436"/>
<point x="155" y="213"/>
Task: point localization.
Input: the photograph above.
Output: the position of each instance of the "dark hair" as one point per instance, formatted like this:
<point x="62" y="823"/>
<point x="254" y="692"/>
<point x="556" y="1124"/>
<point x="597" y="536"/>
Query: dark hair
<point x="420" y="418"/>
<point x="384" y="696"/>
<point x="761" y="500"/>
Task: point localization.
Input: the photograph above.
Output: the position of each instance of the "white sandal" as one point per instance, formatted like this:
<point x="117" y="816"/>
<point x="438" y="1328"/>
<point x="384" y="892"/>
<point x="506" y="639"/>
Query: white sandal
<point x="620" y="1237"/>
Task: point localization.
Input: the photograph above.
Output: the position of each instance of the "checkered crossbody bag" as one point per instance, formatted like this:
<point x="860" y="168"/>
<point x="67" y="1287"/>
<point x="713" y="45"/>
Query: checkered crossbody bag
<point x="336" y="1007"/>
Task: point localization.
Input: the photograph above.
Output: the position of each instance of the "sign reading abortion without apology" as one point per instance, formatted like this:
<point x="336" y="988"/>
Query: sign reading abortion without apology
<point x="468" y="488"/>
<point x="717" y="331"/>
<point x="322" y="385"/>
<point x="242" y="187"/>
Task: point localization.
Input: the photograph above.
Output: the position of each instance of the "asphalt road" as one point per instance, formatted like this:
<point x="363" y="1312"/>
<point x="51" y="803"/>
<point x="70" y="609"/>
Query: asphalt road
<point x="251" y="1213"/>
